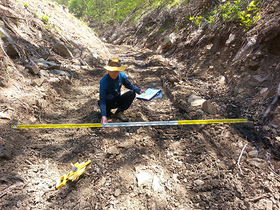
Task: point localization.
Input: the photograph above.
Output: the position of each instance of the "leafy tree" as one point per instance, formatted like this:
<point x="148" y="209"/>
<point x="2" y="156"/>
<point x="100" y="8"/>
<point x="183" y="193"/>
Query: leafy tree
<point x="111" y="10"/>
<point x="65" y="2"/>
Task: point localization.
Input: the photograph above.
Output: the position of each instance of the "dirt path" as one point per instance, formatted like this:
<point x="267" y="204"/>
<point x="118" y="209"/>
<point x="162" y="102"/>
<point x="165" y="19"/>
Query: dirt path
<point x="173" y="167"/>
<point x="217" y="166"/>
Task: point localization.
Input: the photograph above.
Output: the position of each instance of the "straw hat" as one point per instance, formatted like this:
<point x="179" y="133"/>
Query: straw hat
<point x="110" y="67"/>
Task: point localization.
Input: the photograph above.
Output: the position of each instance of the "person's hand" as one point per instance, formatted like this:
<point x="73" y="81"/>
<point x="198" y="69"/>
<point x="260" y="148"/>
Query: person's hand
<point x="104" y="119"/>
<point x="142" y="91"/>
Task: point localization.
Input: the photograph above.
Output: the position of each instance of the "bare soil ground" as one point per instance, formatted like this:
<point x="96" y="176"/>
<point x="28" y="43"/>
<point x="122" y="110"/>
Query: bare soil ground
<point x="158" y="167"/>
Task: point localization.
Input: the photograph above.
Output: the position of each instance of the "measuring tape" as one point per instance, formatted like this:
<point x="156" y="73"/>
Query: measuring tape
<point x="129" y="124"/>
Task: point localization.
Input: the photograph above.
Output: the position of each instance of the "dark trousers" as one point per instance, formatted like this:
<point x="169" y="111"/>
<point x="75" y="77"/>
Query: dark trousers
<point x="121" y="102"/>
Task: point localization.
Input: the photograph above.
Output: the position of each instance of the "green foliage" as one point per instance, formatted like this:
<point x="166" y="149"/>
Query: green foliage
<point x="187" y="18"/>
<point x="48" y="27"/>
<point x="45" y="19"/>
<point x="246" y="13"/>
<point x="35" y="13"/>
<point x="232" y="11"/>
<point x="148" y="28"/>
<point x="173" y="3"/>
<point x="79" y="7"/>
<point x="6" y="75"/>
<point x="251" y="16"/>
<point x="111" y="11"/>
<point x="65" y="2"/>
<point x="25" y="4"/>
<point x="197" y="20"/>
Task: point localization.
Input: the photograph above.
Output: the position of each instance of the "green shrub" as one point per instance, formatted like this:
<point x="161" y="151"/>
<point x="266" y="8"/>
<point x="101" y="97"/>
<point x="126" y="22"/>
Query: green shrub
<point x="45" y="19"/>
<point x="251" y="16"/>
<point x="197" y="20"/>
<point x="232" y="11"/>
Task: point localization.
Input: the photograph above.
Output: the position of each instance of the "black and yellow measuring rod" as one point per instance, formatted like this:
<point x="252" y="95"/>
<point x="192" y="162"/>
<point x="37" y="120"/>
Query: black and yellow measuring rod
<point x="130" y="124"/>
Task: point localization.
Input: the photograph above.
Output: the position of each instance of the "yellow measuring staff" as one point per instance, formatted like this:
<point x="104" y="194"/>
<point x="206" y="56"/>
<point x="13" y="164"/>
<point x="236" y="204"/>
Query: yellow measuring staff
<point x="129" y="124"/>
<point x="189" y="122"/>
<point x="57" y="126"/>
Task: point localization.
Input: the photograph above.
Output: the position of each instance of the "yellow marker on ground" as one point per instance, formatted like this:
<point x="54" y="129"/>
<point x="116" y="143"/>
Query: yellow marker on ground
<point x="74" y="174"/>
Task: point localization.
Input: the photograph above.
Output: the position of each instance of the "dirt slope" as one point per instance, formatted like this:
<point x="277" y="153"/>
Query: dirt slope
<point x="173" y="167"/>
<point x="246" y="62"/>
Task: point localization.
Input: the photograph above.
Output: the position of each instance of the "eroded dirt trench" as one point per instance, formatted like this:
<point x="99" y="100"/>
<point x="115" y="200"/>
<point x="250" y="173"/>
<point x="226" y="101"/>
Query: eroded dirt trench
<point x="157" y="167"/>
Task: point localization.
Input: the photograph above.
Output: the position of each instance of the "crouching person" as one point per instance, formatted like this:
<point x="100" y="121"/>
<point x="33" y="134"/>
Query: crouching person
<point x="110" y="91"/>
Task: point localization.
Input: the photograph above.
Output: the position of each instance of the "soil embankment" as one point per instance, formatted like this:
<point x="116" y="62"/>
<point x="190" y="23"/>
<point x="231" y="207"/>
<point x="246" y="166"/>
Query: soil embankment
<point x="219" y="166"/>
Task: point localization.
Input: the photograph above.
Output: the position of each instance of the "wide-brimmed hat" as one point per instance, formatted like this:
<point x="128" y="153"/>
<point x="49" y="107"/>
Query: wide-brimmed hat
<point x="114" y="68"/>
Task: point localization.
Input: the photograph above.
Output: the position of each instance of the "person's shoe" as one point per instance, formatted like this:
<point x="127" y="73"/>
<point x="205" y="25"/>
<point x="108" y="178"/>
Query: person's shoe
<point x="121" y="116"/>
